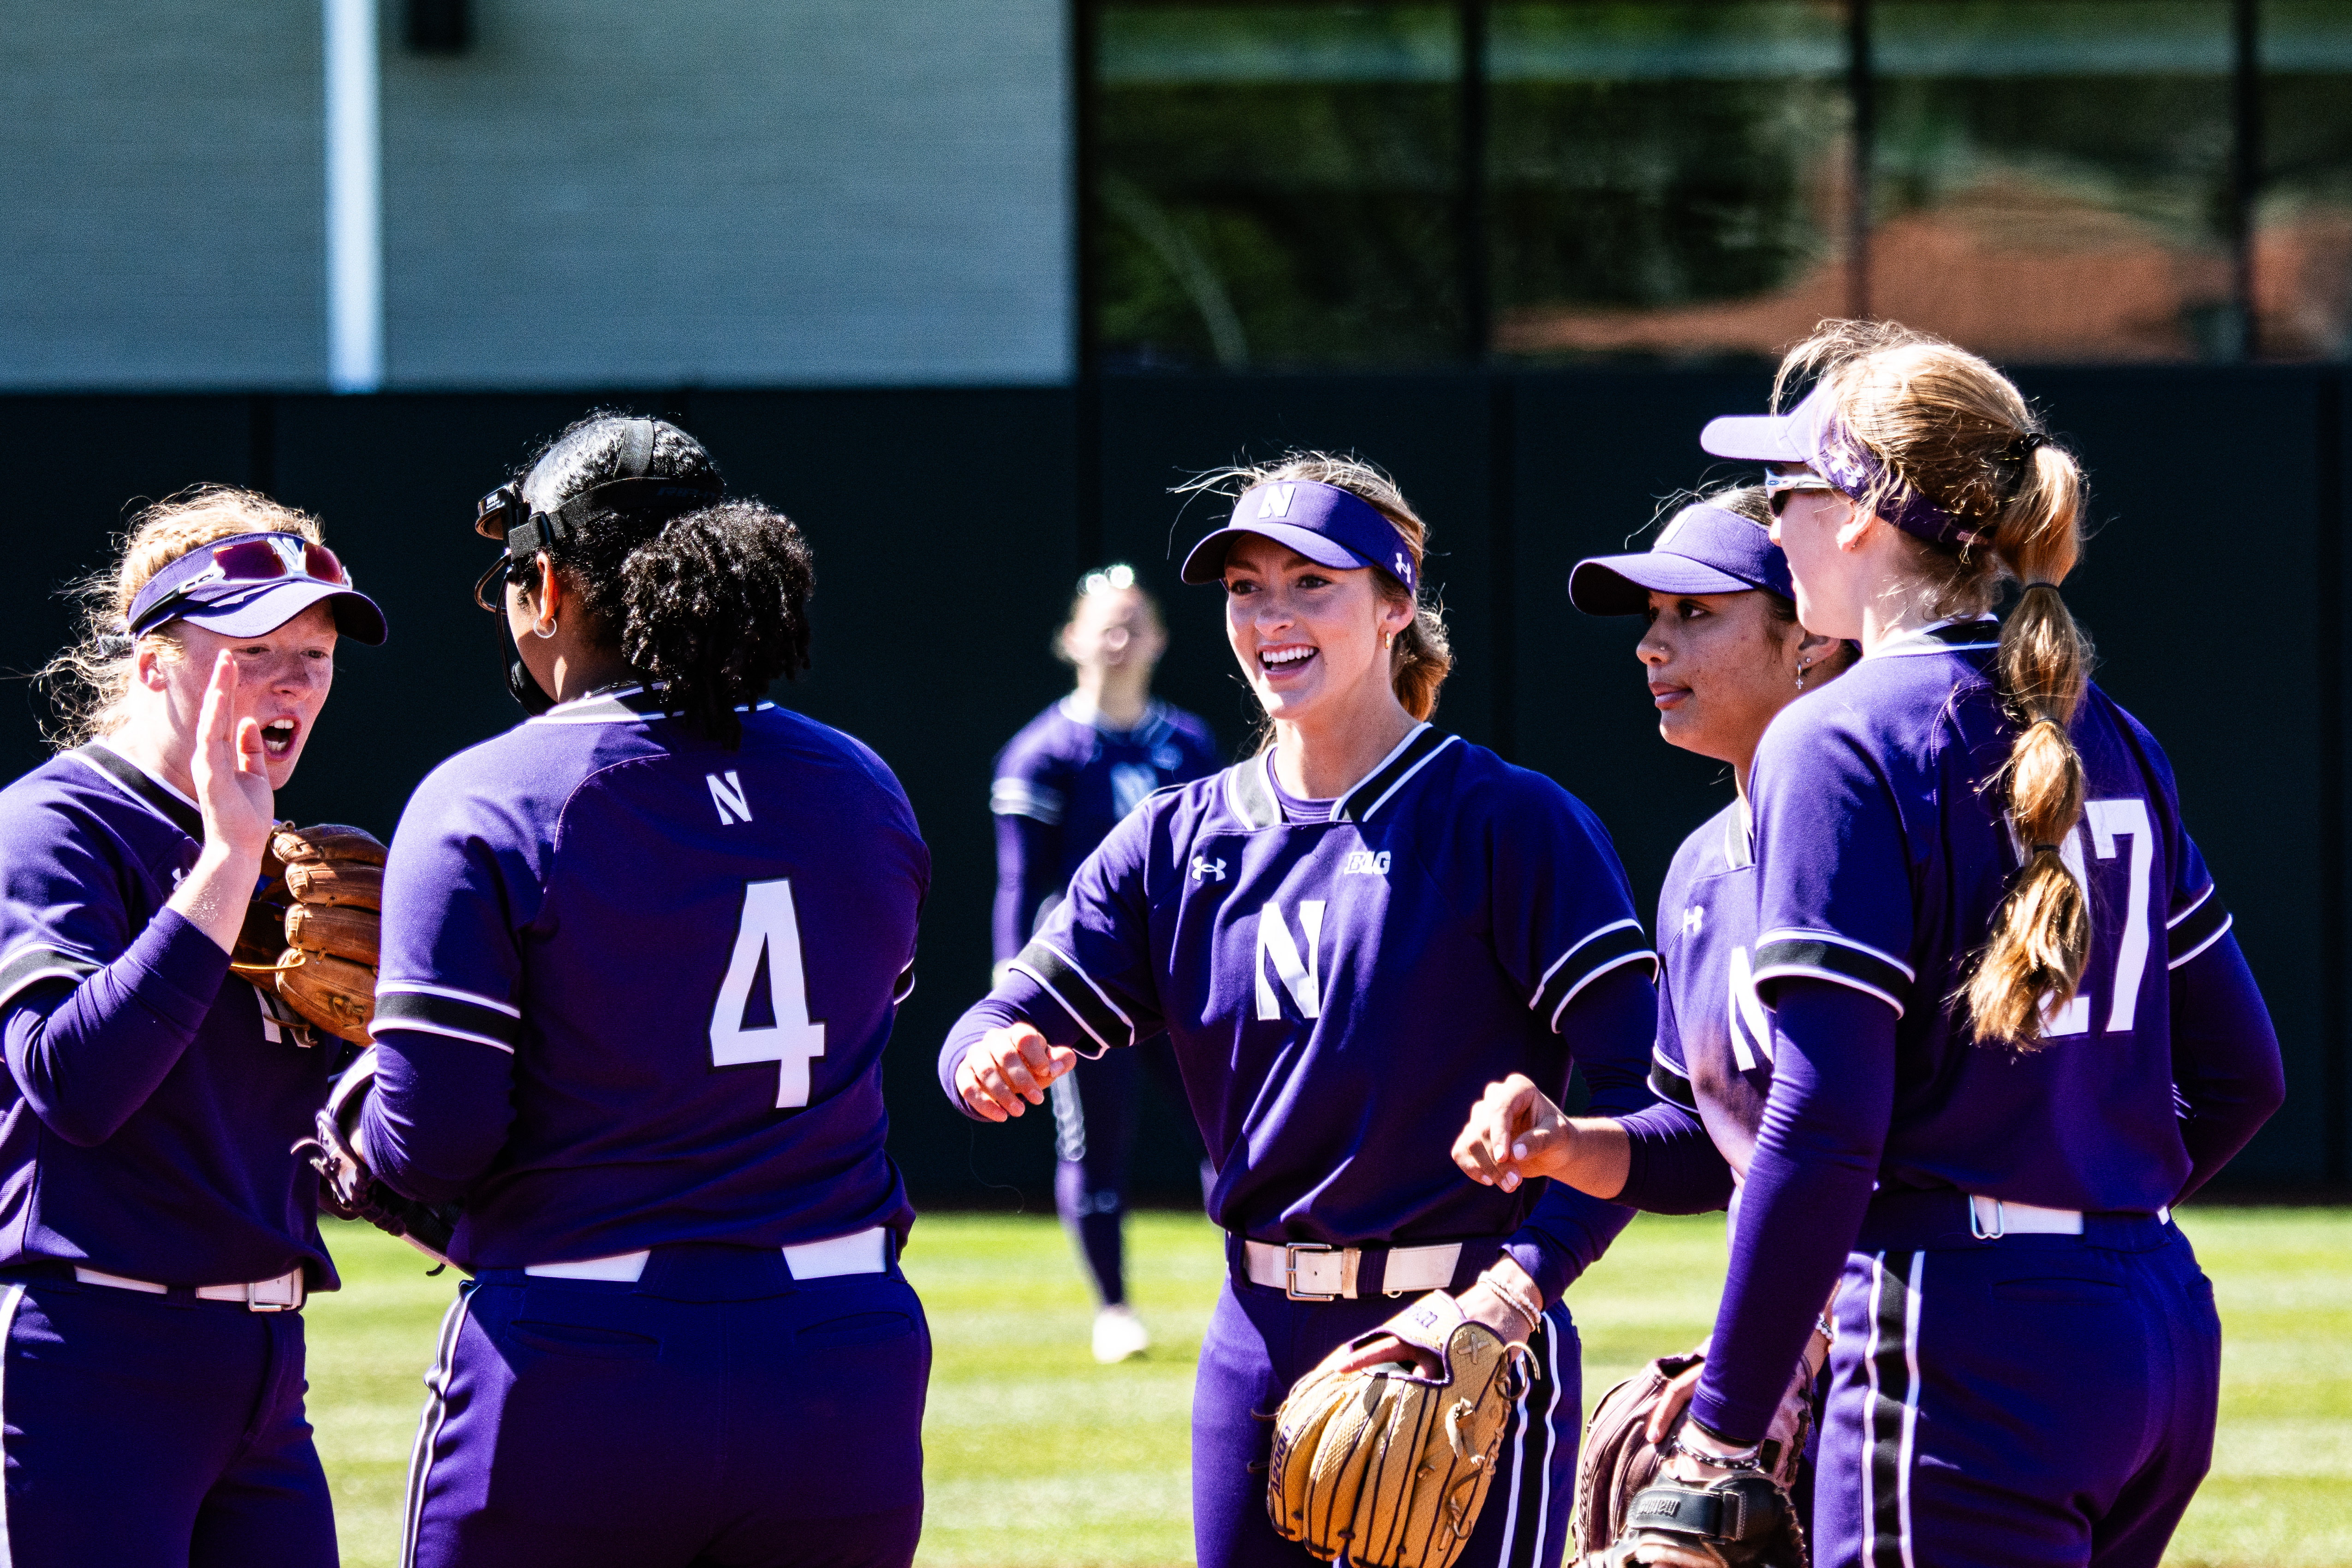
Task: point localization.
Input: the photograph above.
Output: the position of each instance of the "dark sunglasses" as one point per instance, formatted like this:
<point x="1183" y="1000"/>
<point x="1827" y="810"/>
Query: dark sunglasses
<point x="1778" y="488"/>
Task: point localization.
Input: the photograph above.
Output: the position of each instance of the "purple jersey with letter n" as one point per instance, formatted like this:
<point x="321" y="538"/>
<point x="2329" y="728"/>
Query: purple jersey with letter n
<point x="693" y="956"/>
<point x="1884" y="853"/>
<point x="1341" y="991"/>
<point x="1714" y="1055"/>
<point x="168" y="1159"/>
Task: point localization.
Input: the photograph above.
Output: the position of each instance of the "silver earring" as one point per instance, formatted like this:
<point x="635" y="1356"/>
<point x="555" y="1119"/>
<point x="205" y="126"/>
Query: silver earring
<point x="548" y="630"/>
<point x="1801" y="673"/>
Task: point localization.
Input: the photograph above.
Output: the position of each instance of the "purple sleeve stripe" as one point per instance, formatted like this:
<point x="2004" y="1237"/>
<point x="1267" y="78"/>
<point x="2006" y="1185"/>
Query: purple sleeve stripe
<point x="2197" y="928"/>
<point x="31" y="965"/>
<point x="1790" y="960"/>
<point x="1620" y="942"/>
<point x="460" y="1018"/>
<point x="1054" y="970"/>
<point x="1671" y="1085"/>
<point x="1019" y="797"/>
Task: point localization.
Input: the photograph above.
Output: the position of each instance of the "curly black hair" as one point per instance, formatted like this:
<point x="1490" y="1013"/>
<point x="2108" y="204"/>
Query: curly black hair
<point x="710" y="606"/>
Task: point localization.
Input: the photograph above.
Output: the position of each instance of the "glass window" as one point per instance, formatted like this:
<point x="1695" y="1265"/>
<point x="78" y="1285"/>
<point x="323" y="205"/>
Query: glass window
<point x="2303" y="214"/>
<point x="1667" y="179"/>
<point x="2051" y="177"/>
<point x="1277" y="185"/>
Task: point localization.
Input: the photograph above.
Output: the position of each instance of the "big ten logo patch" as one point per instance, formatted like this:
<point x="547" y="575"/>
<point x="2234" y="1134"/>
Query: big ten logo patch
<point x="1366" y="863"/>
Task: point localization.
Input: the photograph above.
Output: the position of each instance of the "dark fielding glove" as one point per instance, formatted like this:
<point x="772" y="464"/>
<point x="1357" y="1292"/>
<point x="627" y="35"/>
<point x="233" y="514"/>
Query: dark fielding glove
<point x="334" y="888"/>
<point x="1385" y="1463"/>
<point x="1617" y="1464"/>
<point x="1732" y="1521"/>
<point x="349" y="1190"/>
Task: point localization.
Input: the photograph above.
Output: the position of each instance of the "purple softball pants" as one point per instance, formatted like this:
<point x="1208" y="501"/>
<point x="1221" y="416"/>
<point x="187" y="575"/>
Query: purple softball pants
<point x="155" y="1432"/>
<point x="713" y="1415"/>
<point x="2031" y="1400"/>
<point x="1260" y="1343"/>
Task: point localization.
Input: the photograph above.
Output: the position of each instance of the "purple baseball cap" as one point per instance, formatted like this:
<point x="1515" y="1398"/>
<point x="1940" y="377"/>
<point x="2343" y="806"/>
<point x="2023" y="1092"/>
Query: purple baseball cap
<point x="245" y="585"/>
<point x="1705" y="550"/>
<point x="1813" y="434"/>
<point x="1329" y="526"/>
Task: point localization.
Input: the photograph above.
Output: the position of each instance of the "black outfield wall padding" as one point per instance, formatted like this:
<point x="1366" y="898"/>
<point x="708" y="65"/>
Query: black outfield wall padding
<point x="947" y="526"/>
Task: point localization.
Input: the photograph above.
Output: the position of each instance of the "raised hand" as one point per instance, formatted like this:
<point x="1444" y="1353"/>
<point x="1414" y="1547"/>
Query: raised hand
<point x="1008" y="1070"/>
<point x="1515" y="1132"/>
<point x="231" y="771"/>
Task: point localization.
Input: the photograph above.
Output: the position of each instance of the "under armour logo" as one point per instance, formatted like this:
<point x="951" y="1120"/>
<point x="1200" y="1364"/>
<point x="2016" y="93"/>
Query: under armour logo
<point x="1403" y="568"/>
<point x="1214" y="870"/>
<point x="1274" y="500"/>
<point x="1693" y="918"/>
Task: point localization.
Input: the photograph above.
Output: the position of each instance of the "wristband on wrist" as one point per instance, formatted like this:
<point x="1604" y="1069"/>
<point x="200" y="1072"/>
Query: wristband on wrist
<point x="1751" y="1460"/>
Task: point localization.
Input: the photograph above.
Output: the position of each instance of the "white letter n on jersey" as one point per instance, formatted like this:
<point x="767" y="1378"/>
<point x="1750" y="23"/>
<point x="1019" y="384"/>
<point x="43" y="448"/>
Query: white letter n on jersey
<point x="728" y="796"/>
<point x="1303" y="981"/>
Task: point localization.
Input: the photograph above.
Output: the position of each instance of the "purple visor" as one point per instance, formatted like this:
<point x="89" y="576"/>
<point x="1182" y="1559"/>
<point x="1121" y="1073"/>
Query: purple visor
<point x="1813" y="434"/>
<point x="1329" y="526"/>
<point x="249" y="583"/>
<point x="1705" y="550"/>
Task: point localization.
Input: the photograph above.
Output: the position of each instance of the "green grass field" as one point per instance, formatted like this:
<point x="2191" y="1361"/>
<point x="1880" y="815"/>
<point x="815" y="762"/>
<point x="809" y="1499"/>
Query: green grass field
<point x="1036" y="1456"/>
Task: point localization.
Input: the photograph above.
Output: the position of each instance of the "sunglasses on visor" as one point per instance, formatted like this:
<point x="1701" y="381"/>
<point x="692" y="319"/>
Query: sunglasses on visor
<point x="247" y="558"/>
<point x="1778" y="488"/>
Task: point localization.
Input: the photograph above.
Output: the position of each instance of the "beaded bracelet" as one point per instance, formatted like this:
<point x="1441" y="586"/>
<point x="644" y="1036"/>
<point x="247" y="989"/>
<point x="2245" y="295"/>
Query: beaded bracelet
<point x="1512" y="1298"/>
<point x="1752" y="1460"/>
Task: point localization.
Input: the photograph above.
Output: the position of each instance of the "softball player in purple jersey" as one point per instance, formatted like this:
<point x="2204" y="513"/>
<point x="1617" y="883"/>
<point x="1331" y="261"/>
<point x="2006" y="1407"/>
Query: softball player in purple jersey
<point x="2011" y="1028"/>
<point x="641" y="955"/>
<point x="157" y="1237"/>
<point x="1346" y="936"/>
<point x="1062" y="783"/>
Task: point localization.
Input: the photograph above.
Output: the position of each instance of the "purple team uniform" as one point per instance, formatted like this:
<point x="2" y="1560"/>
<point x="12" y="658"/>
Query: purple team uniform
<point x="1060" y="786"/>
<point x="635" y="989"/>
<point x="1342" y="980"/>
<point x="2027" y="1357"/>
<point x="153" y="1416"/>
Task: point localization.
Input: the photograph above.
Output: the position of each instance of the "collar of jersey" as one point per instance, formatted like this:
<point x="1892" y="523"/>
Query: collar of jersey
<point x="1739" y="836"/>
<point x="1153" y="718"/>
<point x="1249" y="788"/>
<point x="1942" y="636"/>
<point x="627" y="705"/>
<point x="145" y="788"/>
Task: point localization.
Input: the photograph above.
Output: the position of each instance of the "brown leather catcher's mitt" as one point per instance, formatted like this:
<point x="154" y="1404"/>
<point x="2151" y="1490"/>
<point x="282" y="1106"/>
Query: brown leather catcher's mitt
<point x="310" y="934"/>
<point x="1385" y="1463"/>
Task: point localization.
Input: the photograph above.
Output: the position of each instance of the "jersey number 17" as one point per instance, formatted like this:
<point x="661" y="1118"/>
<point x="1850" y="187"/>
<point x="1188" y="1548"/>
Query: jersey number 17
<point x="770" y="930"/>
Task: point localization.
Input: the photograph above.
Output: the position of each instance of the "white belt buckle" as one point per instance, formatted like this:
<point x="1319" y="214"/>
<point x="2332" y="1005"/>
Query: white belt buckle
<point x="1314" y="1253"/>
<point x="283" y="1294"/>
<point x="1977" y="1218"/>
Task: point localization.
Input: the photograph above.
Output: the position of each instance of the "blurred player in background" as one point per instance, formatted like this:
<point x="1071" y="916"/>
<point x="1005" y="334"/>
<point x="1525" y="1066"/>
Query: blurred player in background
<point x="1723" y="652"/>
<point x="1346" y="936"/>
<point x="1070" y="775"/>
<point x="2010" y="1027"/>
<point x="641" y="954"/>
<point x="159" y="1236"/>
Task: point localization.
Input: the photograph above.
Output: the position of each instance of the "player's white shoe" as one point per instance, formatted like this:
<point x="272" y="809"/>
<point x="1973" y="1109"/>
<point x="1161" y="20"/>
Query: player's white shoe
<point x="1120" y="1335"/>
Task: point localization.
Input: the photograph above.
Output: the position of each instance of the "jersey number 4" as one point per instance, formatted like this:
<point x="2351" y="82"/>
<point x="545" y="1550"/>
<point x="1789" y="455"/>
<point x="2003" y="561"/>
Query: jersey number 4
<point x="768" y="944"/>
<point x="2109" y="821"/>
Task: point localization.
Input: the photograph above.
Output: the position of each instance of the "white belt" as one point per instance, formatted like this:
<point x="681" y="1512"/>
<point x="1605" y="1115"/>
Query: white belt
<point x="860" y="1252"/>
<point x="283" y="1294"/>
<point x="1312" y="1271"/>
<point x="1990" y="1219"/>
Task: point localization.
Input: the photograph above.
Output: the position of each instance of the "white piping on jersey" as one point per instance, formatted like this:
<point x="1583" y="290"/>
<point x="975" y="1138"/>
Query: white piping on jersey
<point x="59" y="971"/>
<point x="1638" y="955"/>
<point x="1019" y="797"/>
<point x="1740" y="838"/>
<point x="1797" y="933"/>
<point x="419" y="988"/>
<point x="7" y="1326"/>
<point x="127" y="793"/>
<point x="1365" y="814"/>
<point x="2194" y="905"/>
<point x="1921" y="639"/>
<point x="1578" y="946"/>
<point x="1090" y="979"/>
<point x="419" y="1026"/>
<point x="2227" y="922"/>
<point x="602" y="715"/>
